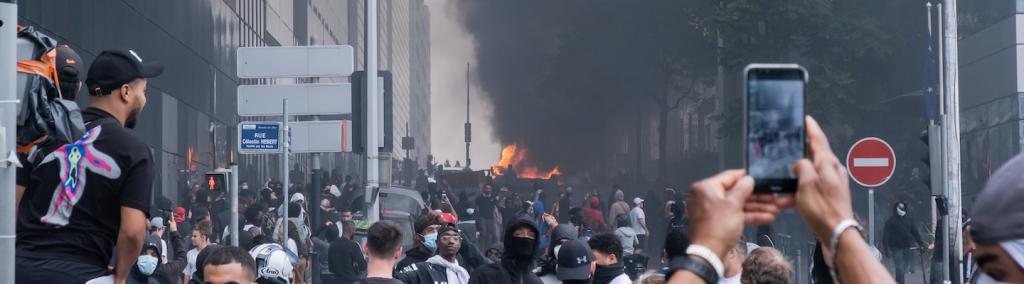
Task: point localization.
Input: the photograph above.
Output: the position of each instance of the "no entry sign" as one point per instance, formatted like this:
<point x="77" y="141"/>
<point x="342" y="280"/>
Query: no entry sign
<point x="871" y="162"/>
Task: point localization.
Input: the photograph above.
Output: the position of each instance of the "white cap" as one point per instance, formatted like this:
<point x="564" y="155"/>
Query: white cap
<point x="297" y="197"/>
<point x="637" y="200"/>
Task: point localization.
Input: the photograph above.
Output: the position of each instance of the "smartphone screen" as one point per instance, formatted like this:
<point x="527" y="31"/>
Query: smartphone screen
<point x="775" y="126"/>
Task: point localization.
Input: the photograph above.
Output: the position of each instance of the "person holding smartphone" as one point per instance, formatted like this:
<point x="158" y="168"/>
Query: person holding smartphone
<point x="720" y="205"/>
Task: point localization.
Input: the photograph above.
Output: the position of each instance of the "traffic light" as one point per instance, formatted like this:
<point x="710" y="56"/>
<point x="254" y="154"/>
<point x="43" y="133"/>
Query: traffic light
<point x="359" y="112"/>
<point x="932" y="175"/>
<point x="216" y="182"/>
<point x="926" y="158"/>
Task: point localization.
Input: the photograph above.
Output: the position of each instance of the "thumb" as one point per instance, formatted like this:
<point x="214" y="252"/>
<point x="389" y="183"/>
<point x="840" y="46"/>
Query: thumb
<point x="741" y="190"/>
<point x="805" y="171"/>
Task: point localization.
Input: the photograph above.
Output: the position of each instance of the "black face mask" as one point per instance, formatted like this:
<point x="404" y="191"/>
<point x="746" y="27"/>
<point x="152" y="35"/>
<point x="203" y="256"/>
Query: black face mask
<point x="605" y="273"/>
<point x="521" y="249"/>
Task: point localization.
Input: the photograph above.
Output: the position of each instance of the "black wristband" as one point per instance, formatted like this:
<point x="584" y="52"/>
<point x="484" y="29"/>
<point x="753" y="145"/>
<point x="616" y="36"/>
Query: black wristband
<point x="701" y="269"/>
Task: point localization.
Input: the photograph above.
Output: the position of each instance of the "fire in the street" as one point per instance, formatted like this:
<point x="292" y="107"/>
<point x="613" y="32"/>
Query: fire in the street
<point x="517" y="158"/>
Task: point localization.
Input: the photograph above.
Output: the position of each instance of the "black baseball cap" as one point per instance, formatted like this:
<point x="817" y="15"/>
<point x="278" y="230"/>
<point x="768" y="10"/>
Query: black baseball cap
<point x="574" y="260"/>
<point x="69" y="68"/>
<point x="115" y="67"/>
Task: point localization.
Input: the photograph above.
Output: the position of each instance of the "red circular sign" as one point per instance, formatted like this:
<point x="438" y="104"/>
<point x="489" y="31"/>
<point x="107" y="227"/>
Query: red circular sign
<point x="871" y="162"/>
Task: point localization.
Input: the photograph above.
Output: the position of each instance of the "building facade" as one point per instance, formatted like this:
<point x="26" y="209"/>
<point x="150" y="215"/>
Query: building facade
<point x="991" y="90"/>
<point x="191" y="116"/>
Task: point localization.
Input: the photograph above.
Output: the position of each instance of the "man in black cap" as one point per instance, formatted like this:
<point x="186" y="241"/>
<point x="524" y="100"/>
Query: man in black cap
<point x="997" y="225"/>
<point x="575" y="262"/>
<point x="87" y="196"/>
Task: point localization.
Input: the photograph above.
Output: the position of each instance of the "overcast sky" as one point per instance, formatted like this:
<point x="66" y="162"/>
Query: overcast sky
<point x="451" y="48"/>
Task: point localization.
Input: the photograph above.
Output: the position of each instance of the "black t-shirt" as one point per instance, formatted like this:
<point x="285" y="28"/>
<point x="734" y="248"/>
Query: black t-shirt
<point x="485" y="207"/>
<point x="72" y="207"/>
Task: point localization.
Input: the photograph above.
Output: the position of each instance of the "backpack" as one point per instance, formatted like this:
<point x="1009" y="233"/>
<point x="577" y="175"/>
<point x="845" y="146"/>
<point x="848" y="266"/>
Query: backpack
<point x="45" y="120"/>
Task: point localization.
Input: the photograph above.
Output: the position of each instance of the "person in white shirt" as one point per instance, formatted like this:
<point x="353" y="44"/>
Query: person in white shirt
<point x="637" y="218"/>
<point x="200" y="240"/>
<point x="157" y="229"/>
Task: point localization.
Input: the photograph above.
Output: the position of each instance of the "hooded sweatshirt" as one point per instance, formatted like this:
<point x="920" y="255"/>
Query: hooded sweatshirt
<point x="135" y="275"/>
<point x="592" y="215"/>
<point x="516" y="266"/>
<point x="562" y="231"/>
<point x="170" y="272"/>
<point x="619" y="207"/>
<point x="899" y="232"/>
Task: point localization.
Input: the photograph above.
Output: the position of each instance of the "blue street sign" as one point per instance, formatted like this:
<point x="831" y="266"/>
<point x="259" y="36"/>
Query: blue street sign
<point x="259" y="137"/>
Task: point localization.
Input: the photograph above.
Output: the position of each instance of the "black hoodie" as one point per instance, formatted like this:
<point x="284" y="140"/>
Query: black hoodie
<point x="170" y="272"/>
<point x="135" y="276"/>
<point x="510" y="270"/>
<point x="900" y="233"/>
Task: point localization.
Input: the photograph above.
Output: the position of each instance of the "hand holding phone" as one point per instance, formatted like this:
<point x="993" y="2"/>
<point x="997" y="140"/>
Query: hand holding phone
<point x="774" y="125"/>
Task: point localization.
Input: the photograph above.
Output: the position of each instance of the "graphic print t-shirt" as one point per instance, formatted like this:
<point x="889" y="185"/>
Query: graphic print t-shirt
<point x="71" y="209"/>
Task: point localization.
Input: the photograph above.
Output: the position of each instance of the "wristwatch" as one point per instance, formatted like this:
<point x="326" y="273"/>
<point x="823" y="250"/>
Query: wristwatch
<point x="701" y="269"/>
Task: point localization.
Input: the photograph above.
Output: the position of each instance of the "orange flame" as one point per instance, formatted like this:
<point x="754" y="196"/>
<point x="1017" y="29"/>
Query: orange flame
<point x="516" y="158"/>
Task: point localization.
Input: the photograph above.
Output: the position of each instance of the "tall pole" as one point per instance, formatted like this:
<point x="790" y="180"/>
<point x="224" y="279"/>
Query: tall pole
<point x="8" y="113"/>
<point x="284" y="169"/>
<point x="951" y="131"/>
<point x="372" y="98"/>
<point x="234" y="203"/>
<point x="469" y="127"/>
<point x="871" y="216"/>
<point x="935" y="128"/>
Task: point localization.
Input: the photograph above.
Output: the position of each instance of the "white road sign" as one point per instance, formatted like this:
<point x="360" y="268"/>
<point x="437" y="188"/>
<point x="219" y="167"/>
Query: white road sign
<point x="306" y="99"/>
<point x="295" y="61"/>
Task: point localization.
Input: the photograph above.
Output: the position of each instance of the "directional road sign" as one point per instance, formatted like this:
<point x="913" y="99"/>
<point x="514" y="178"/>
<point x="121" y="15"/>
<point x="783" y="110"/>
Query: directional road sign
<point x="295" y="61"/>
<point x="305" y="99"/>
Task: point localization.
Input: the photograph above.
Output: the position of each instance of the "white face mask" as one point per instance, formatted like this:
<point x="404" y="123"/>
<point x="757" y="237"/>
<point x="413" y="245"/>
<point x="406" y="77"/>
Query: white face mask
<point x="901" y="212"/>
<point x="558" y="247"/>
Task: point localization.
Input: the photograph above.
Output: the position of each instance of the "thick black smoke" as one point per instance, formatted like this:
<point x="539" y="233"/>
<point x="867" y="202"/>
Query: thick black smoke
<point x="568" y="79"/>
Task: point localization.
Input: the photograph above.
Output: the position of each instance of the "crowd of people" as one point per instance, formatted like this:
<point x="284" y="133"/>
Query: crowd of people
<point x="85" y="214"/>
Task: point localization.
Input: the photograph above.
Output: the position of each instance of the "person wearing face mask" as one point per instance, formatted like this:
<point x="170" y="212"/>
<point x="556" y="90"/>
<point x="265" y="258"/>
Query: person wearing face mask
<point x="516" y="265"/>
<point x="560" y="234"/>
<point x="170" y="272"/>
<point x="425" y="241"/>
<point x="444" y="267"/>
<point x="147" y="263"/>
<point x="899" y="235"/>
<point x="607" y="253"/>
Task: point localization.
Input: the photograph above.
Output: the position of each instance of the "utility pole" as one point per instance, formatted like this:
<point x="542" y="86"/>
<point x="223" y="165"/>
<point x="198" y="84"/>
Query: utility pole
<point x="951" y="132"/>
<point x="469" y="126"/>
<point x="372" y="98"/>
<point x="285" y="149"/>
<point x="8" y="116"/>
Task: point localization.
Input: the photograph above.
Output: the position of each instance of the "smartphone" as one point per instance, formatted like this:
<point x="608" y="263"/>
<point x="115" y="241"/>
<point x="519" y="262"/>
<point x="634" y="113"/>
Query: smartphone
<point x="774" y="124"/>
